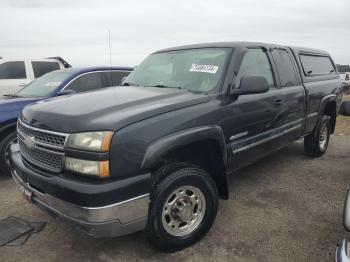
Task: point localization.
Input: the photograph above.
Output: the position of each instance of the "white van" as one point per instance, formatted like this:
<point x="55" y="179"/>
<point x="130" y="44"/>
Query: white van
<point x="344" y="72"/>
<point x="16" y="73"/>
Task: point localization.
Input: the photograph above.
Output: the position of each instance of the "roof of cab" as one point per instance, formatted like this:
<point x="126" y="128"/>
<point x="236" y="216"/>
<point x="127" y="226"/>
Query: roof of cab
<point x="241" y="45"/>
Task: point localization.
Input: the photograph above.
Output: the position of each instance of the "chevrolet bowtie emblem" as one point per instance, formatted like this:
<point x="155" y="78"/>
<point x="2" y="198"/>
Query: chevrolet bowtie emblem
<point x="29" y="142"/>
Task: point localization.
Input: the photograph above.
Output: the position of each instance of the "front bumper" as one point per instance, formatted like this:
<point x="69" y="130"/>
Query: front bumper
<point x="110" y="220"/>
<point x="342" y="253"/>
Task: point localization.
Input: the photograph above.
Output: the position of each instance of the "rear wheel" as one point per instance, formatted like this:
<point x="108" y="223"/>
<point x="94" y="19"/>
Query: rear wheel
<point x="317" y="142"/>
<point x="5" y="144"/>
<point x="183" y="207"/>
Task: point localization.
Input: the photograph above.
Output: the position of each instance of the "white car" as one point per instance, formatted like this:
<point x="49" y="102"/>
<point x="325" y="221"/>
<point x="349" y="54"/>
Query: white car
<point x="16" y="73"/>
<point x="344" y="72"/>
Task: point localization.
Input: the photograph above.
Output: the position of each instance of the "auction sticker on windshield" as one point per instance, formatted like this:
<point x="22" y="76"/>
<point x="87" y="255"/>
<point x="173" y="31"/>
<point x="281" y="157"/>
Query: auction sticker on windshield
<point x="53" y="83"/>
<point x="211" y="69"/>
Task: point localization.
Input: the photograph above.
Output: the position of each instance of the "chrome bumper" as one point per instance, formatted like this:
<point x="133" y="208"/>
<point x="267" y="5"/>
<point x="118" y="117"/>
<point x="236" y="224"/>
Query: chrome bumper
<point x="107" y="221"/>
<point x="341" y="255"/>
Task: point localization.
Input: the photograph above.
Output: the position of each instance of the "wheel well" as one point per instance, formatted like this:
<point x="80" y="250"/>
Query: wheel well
<point x="331" y="110"/>
<point x="204" y="154"/>
<point x="7" y="130"/>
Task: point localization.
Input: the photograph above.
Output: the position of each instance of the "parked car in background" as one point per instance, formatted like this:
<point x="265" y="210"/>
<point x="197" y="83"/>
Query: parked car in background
<point x="16" y="73"/>
<point x="155" y="154"/>
<point x="56" y="83"/>
<point x="344" y="72"/>
<point x="342" y="253"/>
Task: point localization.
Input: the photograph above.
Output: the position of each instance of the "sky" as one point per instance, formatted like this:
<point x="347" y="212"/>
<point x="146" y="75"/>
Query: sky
<point x="78" y="30"/>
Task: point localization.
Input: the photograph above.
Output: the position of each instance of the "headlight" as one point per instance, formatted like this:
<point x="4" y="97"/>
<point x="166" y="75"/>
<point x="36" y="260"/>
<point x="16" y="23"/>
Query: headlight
<point x="91" y="141"/>
<point x="88" y="167"/>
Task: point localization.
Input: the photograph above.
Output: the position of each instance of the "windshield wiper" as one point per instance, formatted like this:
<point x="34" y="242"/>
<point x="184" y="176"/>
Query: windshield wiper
<point x="13" y="96"/>
<point x="129" y="84"/>
<point x="164" y="86"/>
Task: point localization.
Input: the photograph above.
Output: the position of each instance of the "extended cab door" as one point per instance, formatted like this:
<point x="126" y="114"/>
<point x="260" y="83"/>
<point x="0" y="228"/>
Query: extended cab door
<point x="292" y="95"/>
<point x="253" y="126"/>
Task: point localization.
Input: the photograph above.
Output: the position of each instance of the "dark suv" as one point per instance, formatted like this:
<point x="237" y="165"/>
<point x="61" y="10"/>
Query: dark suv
<point x="56" y="83"/>
<point x="155" y="154"/>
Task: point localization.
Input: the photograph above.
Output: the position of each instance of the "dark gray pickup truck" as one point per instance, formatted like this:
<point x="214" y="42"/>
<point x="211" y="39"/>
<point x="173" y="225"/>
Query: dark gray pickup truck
<point x="155" y="153"/>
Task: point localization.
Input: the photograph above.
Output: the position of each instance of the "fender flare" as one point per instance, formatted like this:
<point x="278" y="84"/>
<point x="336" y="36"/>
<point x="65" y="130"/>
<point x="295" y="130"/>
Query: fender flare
<point x="166" y="144"/>
<point x="325" y="100"/>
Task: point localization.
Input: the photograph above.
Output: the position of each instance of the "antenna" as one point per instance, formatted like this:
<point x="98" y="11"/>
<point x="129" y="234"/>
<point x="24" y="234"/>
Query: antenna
<point x="110" y="49"/>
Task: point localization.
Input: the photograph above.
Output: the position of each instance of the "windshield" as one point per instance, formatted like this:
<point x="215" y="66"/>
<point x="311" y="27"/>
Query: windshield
<point x="44" y="86"/>
<point x="197" y="70"/>
<point x="343" y="68"/>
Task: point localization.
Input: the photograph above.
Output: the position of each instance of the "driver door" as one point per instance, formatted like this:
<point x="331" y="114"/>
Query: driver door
<point x="253" y="122"/>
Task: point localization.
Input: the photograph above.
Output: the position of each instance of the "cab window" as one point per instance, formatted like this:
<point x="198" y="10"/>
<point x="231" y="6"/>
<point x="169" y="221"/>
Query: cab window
<point x="88" y="82"/>
<point x="255" y="63"/>
<point x="116" y="77"/>
<point x="13" y="70"/>
<point x="285" y="67"/>
<point x="41" y="68"/>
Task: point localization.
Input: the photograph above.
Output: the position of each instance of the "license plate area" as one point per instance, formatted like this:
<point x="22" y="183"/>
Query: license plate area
<point x="28" y="195"/>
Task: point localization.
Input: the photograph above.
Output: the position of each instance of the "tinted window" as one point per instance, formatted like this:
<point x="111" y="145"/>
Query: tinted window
<point x="285" y="67"/>
<point x="41" y="68"/>
<point x="13" y="70"/>
<point x="343" y="68"/>
<point x="316" y="65"/>
<point x="87" y="82"/>
<point x="255" y="63"/>
<point x="117" y="77"/>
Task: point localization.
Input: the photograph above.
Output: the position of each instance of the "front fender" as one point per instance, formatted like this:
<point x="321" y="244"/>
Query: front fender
<point x="164" y="145"/>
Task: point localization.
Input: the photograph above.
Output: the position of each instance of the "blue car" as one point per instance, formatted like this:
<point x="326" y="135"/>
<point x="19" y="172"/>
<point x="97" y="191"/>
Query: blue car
<point x="56" y="83"/>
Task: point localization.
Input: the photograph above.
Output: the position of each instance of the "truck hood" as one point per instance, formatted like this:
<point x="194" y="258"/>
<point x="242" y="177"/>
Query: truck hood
<point x="15" y="104"/>
<point x="107" y="109"/>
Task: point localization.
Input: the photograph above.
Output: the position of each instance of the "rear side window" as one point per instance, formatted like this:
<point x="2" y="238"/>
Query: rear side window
<point x="87" y="82"/>
<point x="255" y="63"/>
<point x="13" y="70"/>
<point x="285" y="67"/>
<point x="41" y="68"/>
<point x="314" y="65"/>
<point x="343" y="68"/>
<point x="117" y="77"/>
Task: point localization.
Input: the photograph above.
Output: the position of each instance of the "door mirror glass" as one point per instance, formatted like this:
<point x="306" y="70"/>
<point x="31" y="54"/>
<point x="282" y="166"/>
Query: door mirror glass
<point x="66" y="92"/>
<point x="251" y="85"/>
<point x="345" y="108"/>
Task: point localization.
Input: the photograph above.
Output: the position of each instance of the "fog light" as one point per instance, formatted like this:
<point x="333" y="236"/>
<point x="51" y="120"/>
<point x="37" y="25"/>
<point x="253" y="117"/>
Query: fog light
<point x="88" y="167"/>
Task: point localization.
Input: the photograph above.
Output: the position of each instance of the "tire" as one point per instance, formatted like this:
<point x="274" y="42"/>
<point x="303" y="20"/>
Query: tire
<point x="5" y="143"/>
<point x="317" y="142"/>
<point x="184" y="204"/>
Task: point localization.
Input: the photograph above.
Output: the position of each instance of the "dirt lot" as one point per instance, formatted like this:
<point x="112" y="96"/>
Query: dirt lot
<point x="285" y="208"/>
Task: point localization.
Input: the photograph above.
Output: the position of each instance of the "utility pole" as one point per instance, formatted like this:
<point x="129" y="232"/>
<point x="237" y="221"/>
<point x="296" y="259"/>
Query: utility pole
<point x="110" y="49"/>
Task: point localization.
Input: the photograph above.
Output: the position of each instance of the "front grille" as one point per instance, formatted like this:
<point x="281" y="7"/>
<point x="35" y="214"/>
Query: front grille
<point x="45" y="148"/>
<point x="50" y="161"/>
<point x="42" y="136"/>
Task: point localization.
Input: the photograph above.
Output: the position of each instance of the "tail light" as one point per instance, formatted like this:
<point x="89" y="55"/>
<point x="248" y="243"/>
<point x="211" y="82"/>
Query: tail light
<point x="347" y="77"/>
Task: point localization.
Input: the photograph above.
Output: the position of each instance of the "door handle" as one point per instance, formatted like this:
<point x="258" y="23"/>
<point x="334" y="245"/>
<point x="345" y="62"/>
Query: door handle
<point x="22" y="84"/>
<point x="278" y="102"/>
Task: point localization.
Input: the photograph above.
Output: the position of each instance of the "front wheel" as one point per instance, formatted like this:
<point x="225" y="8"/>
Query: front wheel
<point x="317" y="142"/>
<point x="183" y="208"/>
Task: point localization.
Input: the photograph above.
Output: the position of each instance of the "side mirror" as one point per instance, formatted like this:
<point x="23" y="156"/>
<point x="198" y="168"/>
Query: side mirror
<point x="123" y="79"/>
<point x="251" y="85"/>
<point x="345" y="108"/>
<point x="66" y="92"/>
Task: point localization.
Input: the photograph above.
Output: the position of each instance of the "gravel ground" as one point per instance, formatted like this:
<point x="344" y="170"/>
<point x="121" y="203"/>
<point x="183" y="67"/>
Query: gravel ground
<point x="286" y="207"/>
